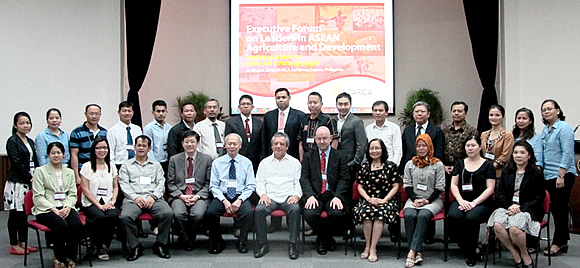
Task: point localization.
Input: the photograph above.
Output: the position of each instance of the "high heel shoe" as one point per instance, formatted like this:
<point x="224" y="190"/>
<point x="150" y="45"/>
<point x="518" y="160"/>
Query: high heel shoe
<point x="562" y="249"/>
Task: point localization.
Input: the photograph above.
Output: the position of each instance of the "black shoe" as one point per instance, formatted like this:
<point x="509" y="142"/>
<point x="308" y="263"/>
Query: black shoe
<point x="394" y="238"/>
<point x="321" y="249"/>
<point x="135" y="253"/>
<point x="141" y="234"/>
<point x="331" y="244"/>
<point x="292" y="251"/>
<point x="470" y="262"/>
<point x="217" y="245"/>
<point x="189" y="246"/>
<point x="261" y="250"/>
<point x="161" y="250"/>
<point x="241" y="246"/>
<point x="527" y="266"/>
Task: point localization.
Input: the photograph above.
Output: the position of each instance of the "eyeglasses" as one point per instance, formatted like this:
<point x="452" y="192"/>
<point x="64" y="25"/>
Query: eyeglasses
<point x="548" y="109"/>
<point x="93" y="114"/>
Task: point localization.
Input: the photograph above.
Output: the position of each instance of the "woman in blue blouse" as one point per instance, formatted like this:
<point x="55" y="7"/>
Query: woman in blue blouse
<point x="559" y="171"/>
<point x="524" y="129"/>
<point x="52" y="133"/>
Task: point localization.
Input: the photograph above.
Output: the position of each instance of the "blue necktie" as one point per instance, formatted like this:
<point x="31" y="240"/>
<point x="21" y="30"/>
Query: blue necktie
<point x="232" y="190"/>
<point x="130" y="142"/>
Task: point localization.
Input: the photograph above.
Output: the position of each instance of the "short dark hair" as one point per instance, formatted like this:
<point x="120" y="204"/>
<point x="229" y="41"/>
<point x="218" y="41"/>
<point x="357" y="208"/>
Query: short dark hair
<point x="53" y="110"/>
<point x="384" y="154"/>
<point x="499" y="107"/>
<point x="185" y="104"/>
<point x="125" y="104"/>
<point x="282" y="89"/>
<point x="557" y="106"/>
<point x="477" y="139"/>
<point x="144" y="137"/>
<point x="92" y="104"/>
<point x="529" y="132"/>
<point x="246" y="96"/>
<point x="93" y="155"/>
<point x="380" y="102"/>
<point x="344" y="95"/>
<point x="465" y="107"/>
<point x="56" y="144"/>
<point x="17" y="116"/>
<point x="212" y="99"/>
<point x="190" y="133"/>
<point x="314" y="93"/>
<point x="158" y="103"/>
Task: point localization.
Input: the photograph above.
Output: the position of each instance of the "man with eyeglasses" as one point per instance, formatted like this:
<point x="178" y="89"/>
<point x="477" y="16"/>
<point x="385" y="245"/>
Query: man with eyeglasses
<point x="82" y="137"/>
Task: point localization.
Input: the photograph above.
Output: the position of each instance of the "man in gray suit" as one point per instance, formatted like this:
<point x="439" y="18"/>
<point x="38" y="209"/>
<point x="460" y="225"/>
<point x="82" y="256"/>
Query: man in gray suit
<point x="351" y="130"/>
<point x="188" y="187"/>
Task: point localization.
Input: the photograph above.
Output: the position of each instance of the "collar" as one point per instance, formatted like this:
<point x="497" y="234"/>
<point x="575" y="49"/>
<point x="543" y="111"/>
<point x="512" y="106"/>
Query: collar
<point x="285" y="158"/>
<point x="84" y="125"/>
<point x="285" y="111"/>
<point x="385" y="124"/>
<point x="147" y="162"/>
<point x="327" y="152"/>
<point x="345" y="117"/>
<point x="461" y="127"/>
<point x="159" y="125"/>
<point x="193" y="156"/>
<point x="47" y="131"/>
<point x="125" y="125"/>
<point x="423" y="125"/>
<point x="244" y="118"/>
<point x="187" y="126"/>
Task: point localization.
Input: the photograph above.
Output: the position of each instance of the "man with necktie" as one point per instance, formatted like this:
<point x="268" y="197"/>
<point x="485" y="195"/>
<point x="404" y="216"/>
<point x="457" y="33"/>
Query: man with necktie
<point x="232" y="183"/>
<point x="121" y="136"/>
<point x="211" y="131"/>
<point x="324" y="181"/>
<point x="188" y="187"/>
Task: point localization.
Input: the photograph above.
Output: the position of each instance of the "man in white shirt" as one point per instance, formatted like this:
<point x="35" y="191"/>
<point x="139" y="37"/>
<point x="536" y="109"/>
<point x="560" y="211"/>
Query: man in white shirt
<point x="387" y="131"/>
<point x="122" y="135"/>
<point x="158" y="131"/>
<point x="278" y="186"/>
<point x="211" y="131"/>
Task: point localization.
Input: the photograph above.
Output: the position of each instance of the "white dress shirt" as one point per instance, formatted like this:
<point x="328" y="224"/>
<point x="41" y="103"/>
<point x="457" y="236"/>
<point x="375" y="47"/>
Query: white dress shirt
<point x="390" y="134"/>
<point x="117" y="137"/>
<point x="340" y="122"/>
<point x="207" y="141"/>
<point x="279" y="179"/>
<point x="244" y="124"/>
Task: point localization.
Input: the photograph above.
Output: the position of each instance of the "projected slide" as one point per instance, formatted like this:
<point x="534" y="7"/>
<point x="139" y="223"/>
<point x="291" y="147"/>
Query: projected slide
<point x="328" y="47"/>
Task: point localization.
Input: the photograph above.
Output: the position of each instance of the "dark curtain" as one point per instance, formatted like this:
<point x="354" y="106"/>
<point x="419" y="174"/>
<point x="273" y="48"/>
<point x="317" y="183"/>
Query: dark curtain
<point x="141" y="18"/>
<point x="482" y="24"/>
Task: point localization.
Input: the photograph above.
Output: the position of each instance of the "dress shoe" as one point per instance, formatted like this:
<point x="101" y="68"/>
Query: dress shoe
<point x="292" y="251"/>
<point x="321" y="250"/>
<point x="161" y="250"/>
<point x="529" y="265"/>
<point x="189" y="246"/>
<point x="217" y="245"/>
<point x="261" y="250"/>
<point x="470" y="262"/>
<point x="237" y="232"/>
<point x="135" y="253"/>
<point x="242" y="247"/>
<point x="331" y="244"/>
<point x="394" y="238"/>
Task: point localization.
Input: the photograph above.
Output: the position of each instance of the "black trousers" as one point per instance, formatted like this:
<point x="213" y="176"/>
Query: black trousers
<point x="66" y="233"/>
<point x="101" y="224"/>
<point x="465" y="226"/>
<point x="323" y="227"/>
<point x="560" y="208"/>
<point x="216" y="209"/>
<point x="17" y="227"/>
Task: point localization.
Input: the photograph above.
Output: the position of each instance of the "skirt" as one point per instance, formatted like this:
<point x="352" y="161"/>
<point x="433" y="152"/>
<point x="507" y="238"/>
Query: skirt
<point x="522" y="220"/>
<point x="14" y="193"/>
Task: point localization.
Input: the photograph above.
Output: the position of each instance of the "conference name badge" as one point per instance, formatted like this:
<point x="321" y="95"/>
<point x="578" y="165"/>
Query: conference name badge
<point x="130" y="147"/>
<point x="422" y="187"/>
<point x="467" y="187"/>
<point x="232" y="184"/>
<point x="310" y="140"/>
<point x="59" y="196"/>
<point x="324" y="177"/>
<point x="516" y="199"/>
<point x="102" y="191"/>
<point x="490" y="156"/>
<point x="145" y="180"/>
<point x="190" y="180"/>
<point x="219" y="144"/>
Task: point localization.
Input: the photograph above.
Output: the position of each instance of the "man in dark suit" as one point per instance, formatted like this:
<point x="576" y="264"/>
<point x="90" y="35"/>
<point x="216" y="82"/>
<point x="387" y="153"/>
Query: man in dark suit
<point x="249" y="128"/>
<point x="188" y="114"/>
<point x="351" y="131"/>
<point x="188" y="187"/>
<point x="283" y="119"/>
<point x="421" y="115"/>
<point x="324" y="181"/>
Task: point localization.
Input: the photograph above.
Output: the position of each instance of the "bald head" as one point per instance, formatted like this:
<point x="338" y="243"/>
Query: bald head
<point x="322" y="138"/>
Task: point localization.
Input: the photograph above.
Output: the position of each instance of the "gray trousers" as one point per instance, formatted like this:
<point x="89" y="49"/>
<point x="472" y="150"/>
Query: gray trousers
<point x="160" y="211"/>
<point x="416" y="221"/>
<point x="188" y="217"/>
<point x="292" y="214"/>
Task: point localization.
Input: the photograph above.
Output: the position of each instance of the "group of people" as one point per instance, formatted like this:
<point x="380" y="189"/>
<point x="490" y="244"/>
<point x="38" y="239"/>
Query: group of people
<point x="191" y="174"/>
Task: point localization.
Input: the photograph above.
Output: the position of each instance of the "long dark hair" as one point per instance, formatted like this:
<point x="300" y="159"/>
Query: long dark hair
<point x="93" y="158"/>
<point x="557" y="106"/>
<point x="529" y="132"/>
<point x="531" y="166"/>
<point x="384" y="154"/>
<point x="16" y="117"/>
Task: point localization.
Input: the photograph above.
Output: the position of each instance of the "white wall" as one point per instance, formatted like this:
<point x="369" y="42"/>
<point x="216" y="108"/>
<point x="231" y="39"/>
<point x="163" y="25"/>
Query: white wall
<point x="62" y="54"/>
<point x="541" y="56"/>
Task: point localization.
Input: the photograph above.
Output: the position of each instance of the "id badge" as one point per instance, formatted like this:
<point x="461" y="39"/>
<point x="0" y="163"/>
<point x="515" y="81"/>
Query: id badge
<point x="310" y="140"/>
<point x="467" y="187"/>
<point x="232" y="184"/>
<point x="190" y="180"/>
<point x="281" y="130"/>
<point x="490" y="156"/>
<point x="422" y="187"/>
<point x="130" y="147"/>
<point x="516" y="199"/>
<point x="59" y="196"/>
<point x="219" y="144"/>
<point x="102" y="191"/>
<point x="324" y="177"/>
<point x="145" y="180"/>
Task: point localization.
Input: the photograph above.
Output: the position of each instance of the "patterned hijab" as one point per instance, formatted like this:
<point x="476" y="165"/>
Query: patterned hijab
<point x="422" y="162"/>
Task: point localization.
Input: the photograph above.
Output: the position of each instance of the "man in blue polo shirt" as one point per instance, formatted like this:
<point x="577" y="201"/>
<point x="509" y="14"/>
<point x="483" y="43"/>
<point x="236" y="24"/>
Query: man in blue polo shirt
<point x="82" y="137"/>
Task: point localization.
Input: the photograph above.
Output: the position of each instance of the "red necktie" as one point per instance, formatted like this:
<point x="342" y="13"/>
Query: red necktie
<point x="281" y="121"/>
<point x="248" y="133"/>
<point x="323" y="171"/>
<point x="189" y="187"/>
